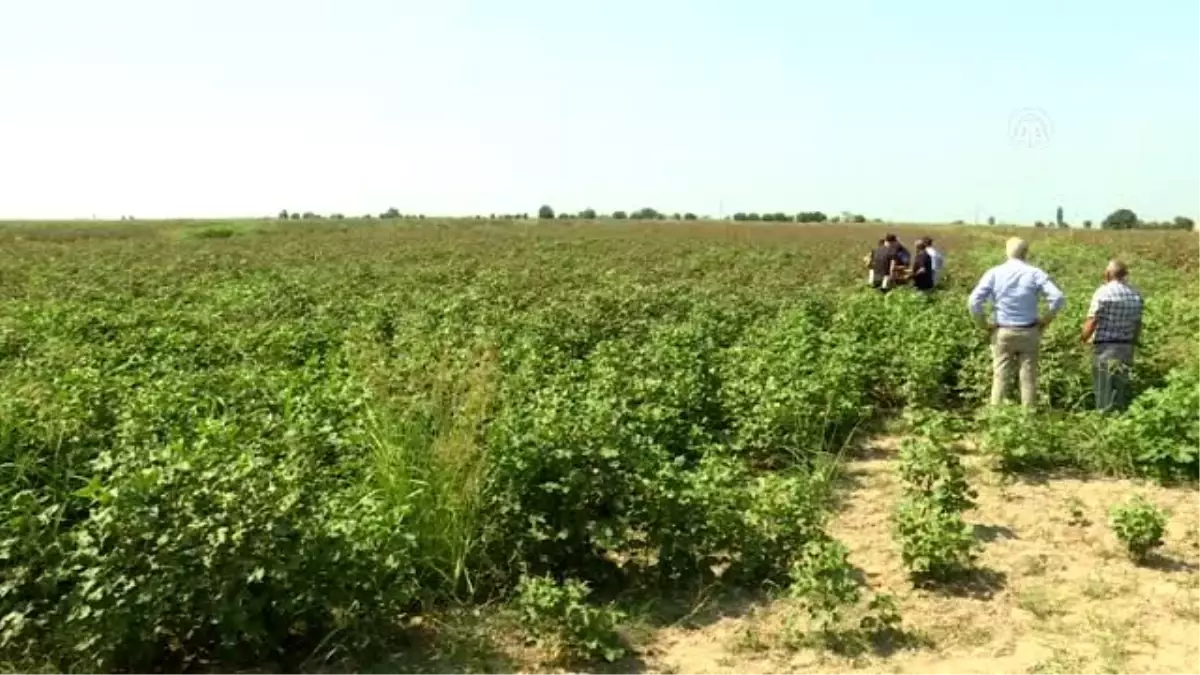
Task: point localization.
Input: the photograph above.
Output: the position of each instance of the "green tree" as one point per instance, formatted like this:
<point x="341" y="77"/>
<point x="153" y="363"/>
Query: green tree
<point x="295" y="216"/>
<point x="753" y="216"/>
<point x="1058" y="218"/>
<point x="689" y="216"/>
<point x="1039" y="224"/>
<point x="619" y="215"/>
<point x="390" y="213"/>
<point x="991" y="220"/>
<point x="588" y="214"/>
<point x="283" y="215"/>
<point x="1181" y="223"/>
<point x="1087" y="224"/>
<point x="1121" y="219"/>
<point x="739" y="216"/>
<point x="545" y="212"/>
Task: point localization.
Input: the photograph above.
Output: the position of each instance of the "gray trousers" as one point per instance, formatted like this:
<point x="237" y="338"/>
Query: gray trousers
<point x="1111" y="366"/>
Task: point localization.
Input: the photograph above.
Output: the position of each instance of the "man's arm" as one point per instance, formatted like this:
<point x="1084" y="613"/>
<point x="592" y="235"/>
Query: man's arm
<point x="1089" y="324"/>
<point x="982" y="293"/>
<point x="1054" y="298"/>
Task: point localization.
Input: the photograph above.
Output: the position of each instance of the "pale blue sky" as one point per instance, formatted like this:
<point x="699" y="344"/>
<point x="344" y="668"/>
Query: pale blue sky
<point x="894" y="109"/>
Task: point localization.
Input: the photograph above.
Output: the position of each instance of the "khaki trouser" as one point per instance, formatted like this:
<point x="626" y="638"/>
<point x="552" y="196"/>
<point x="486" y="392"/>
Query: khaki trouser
<point x="1015" y="348"/>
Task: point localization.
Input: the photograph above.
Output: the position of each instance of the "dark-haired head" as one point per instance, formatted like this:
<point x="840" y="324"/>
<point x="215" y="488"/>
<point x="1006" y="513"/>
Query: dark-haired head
<point x="890" y="238"/>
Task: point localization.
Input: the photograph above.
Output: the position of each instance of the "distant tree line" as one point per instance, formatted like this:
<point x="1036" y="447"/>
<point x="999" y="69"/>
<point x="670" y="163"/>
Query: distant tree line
<point x="1121" y="219"/>
<point x="1126" y="219"/>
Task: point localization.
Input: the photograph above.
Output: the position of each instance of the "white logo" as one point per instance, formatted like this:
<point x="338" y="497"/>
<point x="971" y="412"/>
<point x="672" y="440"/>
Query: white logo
<point x="1030" y="128"/>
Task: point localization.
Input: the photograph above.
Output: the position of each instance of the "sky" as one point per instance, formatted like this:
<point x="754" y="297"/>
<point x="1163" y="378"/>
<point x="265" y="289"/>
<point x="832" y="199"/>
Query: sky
<point x="913" y="110"/>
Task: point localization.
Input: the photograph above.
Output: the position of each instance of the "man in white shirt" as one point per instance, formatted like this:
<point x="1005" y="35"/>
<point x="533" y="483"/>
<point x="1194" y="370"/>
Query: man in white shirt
<point x="1013" y="288"/>
<point x="937" y="259"/>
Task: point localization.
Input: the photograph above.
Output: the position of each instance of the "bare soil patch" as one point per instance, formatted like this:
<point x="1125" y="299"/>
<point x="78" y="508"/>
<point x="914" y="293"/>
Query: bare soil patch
<point x="1055" y="594"/>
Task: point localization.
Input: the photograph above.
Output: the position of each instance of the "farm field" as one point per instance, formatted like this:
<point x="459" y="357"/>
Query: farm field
<point x="550" y="446"/>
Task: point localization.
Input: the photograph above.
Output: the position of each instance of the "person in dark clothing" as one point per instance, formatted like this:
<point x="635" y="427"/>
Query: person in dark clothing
<point x="900" y="258"/>
<point x="881" y="266"/>
<point x="922" y="269"/>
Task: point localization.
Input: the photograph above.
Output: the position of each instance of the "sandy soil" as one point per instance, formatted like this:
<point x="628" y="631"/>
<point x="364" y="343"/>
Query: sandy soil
<point x="1057" y="593"/>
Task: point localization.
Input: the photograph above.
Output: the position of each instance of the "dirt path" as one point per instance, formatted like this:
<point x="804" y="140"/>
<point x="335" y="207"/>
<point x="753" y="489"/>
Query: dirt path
<point x="1059" y="596"/>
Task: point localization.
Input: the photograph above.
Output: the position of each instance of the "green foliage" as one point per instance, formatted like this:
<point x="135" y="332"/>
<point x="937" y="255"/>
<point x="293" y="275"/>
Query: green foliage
<point x="823" y="580"/>
<point x="1139" y="525"/>
<point x="1121" y="219"/>
<point x="587" y="214"/>
<point x="827" y="587"/>
<point x="242" y="452"/>
<point x="619" y="215"/>
<point x="1157" y="437"/>
<point x="782" y="371"/>
<point x="932" y="470"/>
<point x="935" y="543"/>
<point x="560" y="616"/>
<point x="689" y="216"/>
<point x="545" y="212"/>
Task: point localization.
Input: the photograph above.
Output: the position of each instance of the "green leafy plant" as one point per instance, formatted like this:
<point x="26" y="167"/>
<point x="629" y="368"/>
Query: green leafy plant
<point x="932" y="470"/>
<point x="1139" y="525"/>
<point x="560" y="612"/>
<point x="935" y="545"/>
<point x="825" y="584"/>
<point x="823" y="580"/>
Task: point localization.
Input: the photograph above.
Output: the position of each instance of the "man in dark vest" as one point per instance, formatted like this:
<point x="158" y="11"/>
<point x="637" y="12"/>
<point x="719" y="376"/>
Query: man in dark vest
<point x="881" y="265"/>
<point x="922" y="269"/>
